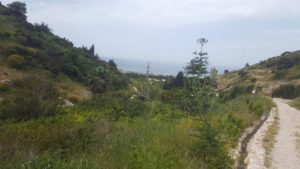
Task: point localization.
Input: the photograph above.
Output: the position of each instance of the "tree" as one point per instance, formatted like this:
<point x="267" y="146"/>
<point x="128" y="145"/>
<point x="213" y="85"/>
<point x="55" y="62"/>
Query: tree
<point x="18" y="8"/>
<point x="92" y="50"/>
<point x="177" y="82"/>
<point x="198" y="65"/>
<point x="42" y="27"/>
<point x="247" y="65"/>
<point x="112" y="63"/>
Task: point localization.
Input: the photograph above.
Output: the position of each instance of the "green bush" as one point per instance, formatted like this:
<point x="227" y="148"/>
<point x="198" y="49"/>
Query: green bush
<point x="115" y="105"/>
<point x="210" y="146"/>
<point x="237" y="91"/>
<point x="34" y="97"/>
<point x="243" y="73"/>
<point x="178" y="82"/>
<point x="287" y="91"/>
<point x="191" y="103"/>
<point x="16" y="61"/>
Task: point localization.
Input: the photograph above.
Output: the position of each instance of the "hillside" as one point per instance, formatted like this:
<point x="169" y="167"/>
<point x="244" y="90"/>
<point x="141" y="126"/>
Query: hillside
<point x="266" y="75"/>
<point x="27" y="49"/>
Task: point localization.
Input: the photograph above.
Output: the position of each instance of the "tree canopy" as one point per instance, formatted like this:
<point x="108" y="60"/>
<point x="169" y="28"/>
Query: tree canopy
<point x="198" y="65"/>
<point x="18" y="7"/>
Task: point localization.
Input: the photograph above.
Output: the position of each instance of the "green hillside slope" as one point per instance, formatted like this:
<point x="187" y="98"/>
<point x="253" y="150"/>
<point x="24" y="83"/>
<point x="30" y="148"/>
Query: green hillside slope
<point x="25" y="46"/>
<point x="278" y="76"/>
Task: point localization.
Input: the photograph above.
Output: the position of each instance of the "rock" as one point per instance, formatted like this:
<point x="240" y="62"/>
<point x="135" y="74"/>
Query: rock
<point x="68" y="103"/>
<point x="135" y="89"/>
<point x="132" y="97"/>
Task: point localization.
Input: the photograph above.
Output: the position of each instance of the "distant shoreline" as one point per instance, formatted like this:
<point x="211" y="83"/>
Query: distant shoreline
<point x="156" y="67"/>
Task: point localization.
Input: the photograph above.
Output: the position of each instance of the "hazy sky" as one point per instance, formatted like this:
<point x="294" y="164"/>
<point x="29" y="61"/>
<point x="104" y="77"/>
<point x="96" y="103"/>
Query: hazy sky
<point x="239" y="31"/>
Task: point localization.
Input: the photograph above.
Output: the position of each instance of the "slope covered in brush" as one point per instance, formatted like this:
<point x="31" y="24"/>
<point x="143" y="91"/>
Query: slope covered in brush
<point x="25" y="46"/>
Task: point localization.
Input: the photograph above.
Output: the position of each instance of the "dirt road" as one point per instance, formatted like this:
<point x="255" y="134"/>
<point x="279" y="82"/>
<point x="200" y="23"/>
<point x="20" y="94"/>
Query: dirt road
<point x="286" y="151"/>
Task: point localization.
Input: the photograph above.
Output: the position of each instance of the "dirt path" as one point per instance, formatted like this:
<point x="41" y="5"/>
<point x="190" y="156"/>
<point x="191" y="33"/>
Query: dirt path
<point x="256" y="152"/>
<point x="285" y="154"/>
<point x="286" y="151"/>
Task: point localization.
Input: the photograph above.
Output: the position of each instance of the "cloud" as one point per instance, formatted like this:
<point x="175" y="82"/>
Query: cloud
<point x="159" y="12"/>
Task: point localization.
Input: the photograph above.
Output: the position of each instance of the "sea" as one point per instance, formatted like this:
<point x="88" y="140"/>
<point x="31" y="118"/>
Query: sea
<point x="156" y="67"/>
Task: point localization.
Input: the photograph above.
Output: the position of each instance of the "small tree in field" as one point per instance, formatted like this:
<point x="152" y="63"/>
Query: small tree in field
<point x="198" y="65"/>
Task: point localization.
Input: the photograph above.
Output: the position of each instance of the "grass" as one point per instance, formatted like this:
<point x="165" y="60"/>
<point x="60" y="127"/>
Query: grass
<point x="295" y="103"/>
<point x="297" y="135"/>
<point x="89" y="138"/>
<point x="269" y="140"/>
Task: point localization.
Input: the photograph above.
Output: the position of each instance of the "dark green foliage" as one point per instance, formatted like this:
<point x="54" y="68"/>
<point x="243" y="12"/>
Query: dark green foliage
<point x="285" y="61"/>
<point x="112" y="64"/>
<point x="41" y="27"/>
<point x="226" y="71"/>
<point x="238" y="90"/>
<point x="42" y="49"/>
<point x="35" y="97"/>
<point x="288" y="91"/>
<point x="193" y="104"/>
<point x="243" y="73"/>
<point x="105" y="80"/>
<point x="197" y="66"/>
<point x="33" y="41"/>
<point x="18" y="8"/>
<point x="210" y="147"/>
<point x="279" y="74"/>
<point x="92" y="50"/>
<point x="178" y="82"/>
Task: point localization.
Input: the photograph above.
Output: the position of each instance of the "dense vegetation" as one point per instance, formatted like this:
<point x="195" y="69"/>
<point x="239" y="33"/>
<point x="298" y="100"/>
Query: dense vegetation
<point x="285" y="66"/>
<point x="170" y="129"/>
<point x="26" y="46"/>
<point x="288" y="91"/>
<point x="131" y="121"/>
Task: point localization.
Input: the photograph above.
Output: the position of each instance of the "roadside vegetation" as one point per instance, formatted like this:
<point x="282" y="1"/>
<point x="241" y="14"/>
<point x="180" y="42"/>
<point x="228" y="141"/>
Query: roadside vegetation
<point x="126" y="121"/>
<point x="296" y="103"/>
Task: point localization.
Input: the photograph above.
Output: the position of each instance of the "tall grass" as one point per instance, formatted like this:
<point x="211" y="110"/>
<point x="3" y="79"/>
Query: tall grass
<point x="110" y="131"/>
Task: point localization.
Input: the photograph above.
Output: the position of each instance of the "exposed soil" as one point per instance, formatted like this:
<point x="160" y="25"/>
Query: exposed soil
<point x="285" y="154"/>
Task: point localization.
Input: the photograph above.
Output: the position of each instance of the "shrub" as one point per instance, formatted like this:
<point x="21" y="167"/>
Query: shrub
<point x="279" y="74"/>
<point x="35" y="97"/>
<point x="194" y="104"/>
<point x="210" y="147"/>
<point x="243" y="73"/>
<point x="177" y="82"/>
<point x="238" y="90"/>
<point x="16" y="61"/>
<point x="98" y="85"/>
<point x="42" y="27"/>
<point x="287" y="91"/>
<point x="19" y="9"/>
<point x="112" y="64"/>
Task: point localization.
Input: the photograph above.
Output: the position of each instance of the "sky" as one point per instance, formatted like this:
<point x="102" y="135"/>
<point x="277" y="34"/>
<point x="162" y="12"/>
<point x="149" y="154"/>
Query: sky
<point x="239" y="31"/>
